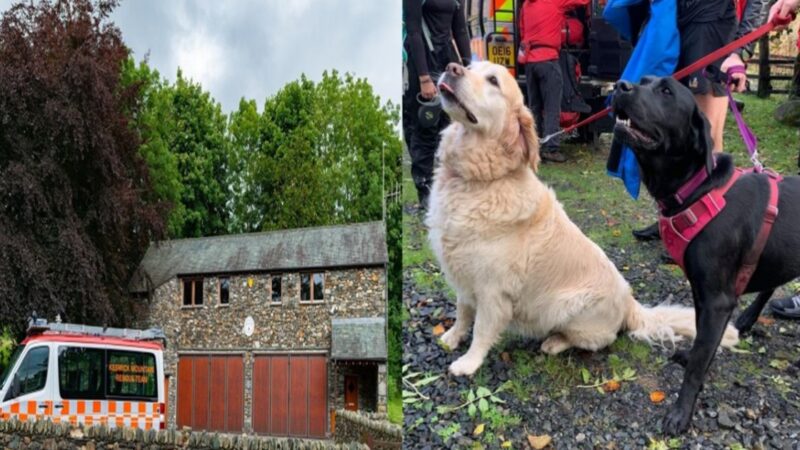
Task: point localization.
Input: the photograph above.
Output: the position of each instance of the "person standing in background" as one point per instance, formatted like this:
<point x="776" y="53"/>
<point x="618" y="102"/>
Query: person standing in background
<point x="436" y="36"/>
<point x="540" y="25"/>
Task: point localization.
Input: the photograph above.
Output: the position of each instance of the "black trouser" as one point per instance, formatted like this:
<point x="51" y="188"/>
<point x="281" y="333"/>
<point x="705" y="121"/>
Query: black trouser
<point x="421" y="142"/>
<point x="545" y="86"/>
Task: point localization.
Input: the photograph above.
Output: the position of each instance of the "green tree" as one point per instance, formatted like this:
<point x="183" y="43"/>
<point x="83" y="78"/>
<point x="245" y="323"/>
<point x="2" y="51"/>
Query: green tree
<point x="156" y="124"/>
<point x="183" y="133"/>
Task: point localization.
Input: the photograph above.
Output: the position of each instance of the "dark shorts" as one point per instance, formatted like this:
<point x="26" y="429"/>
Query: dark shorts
<point x="698" y="39"/>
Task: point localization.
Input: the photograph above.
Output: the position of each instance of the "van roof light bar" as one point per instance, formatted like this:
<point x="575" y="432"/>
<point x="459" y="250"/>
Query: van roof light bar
<point x="39" y="325"/>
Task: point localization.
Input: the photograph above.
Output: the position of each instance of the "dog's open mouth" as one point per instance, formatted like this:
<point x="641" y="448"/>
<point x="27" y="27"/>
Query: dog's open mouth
<point x="449" y="94"/>
<point x="634" y="132"/>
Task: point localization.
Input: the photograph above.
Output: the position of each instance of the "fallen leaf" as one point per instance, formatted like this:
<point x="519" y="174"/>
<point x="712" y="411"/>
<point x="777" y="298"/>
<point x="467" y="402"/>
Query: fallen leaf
<point x="478" y="430"/>
<point x="438" y="330"/>
<point x="616" y="232"/>
<point x="657" y="397"/>
<point x="611" y="386"/>
<point x="505" y="357"/>
<point x="763" y="320"/>
<point x="506" y="444"/>
<point x="539" y="442"/>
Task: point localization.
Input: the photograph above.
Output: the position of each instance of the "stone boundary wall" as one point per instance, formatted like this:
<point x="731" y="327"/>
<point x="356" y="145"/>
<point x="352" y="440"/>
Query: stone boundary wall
<point x="373" y="430"/>
<point x="45" y="435"/>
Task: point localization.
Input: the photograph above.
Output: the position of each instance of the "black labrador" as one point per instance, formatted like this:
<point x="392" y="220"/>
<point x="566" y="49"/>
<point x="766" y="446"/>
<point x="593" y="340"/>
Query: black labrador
<point x="659" y="119"/>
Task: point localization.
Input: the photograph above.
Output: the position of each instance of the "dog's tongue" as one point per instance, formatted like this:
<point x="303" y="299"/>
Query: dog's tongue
<point x="446" y="87"/>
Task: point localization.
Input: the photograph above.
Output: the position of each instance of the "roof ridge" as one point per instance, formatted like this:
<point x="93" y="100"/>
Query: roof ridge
<point x="262" y="233"/>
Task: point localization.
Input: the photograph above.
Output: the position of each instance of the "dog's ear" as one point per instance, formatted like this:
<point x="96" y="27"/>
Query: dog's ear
<point x="703" y="143"/>
<point x="527" y="137"/>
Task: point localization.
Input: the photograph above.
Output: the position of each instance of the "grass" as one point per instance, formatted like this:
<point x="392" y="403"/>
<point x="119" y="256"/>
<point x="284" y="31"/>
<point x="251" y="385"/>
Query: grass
<point x="395" y="406"/>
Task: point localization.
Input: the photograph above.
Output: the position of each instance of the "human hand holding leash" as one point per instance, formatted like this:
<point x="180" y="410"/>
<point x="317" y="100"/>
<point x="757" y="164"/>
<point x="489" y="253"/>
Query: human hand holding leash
<point x="738" y="79"/>
<point x="427" y="87"/>
<point x="783" y="9"/>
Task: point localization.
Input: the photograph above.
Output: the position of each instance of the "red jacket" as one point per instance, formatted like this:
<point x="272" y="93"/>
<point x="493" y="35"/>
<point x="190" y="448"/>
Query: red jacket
<point x="540" y="24"/>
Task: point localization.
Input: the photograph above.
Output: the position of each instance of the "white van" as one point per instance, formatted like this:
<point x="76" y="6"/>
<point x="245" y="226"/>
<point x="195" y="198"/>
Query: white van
<point x="89" y="375"/>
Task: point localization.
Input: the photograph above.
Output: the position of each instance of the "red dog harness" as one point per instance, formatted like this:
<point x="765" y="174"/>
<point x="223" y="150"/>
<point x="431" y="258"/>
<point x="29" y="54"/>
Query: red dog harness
<point x="678" y="231"/>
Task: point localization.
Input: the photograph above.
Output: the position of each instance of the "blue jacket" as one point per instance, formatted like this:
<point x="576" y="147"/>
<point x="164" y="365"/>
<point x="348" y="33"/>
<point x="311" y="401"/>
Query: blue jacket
<point x="656" y="53"/>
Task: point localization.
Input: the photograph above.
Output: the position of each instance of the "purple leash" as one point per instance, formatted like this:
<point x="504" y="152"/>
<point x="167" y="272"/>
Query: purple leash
<point x="749" y="138"/>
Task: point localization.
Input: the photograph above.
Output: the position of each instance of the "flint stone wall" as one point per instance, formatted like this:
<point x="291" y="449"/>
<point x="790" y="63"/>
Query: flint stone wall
<point x="372" y="429"/>
<point x="45" y="435"/>
<point x="289" y="326"/>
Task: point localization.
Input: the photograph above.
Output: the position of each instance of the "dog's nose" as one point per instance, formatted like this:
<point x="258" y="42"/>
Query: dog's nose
<point x="624" y="86"/>
<point x="455" y="69"/>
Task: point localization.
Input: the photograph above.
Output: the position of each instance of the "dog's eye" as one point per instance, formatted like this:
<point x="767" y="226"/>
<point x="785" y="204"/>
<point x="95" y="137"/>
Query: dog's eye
<point x="493" y="79"/>
<point x="666" y="91"/>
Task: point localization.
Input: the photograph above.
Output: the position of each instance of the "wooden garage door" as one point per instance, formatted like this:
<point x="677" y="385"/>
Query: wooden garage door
<point x="290" y="395"/>
<point x="211" y="392"/>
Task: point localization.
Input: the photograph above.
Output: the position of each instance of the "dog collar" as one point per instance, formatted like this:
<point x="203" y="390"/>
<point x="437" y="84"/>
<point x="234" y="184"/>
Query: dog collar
<point x="687" y="189"/>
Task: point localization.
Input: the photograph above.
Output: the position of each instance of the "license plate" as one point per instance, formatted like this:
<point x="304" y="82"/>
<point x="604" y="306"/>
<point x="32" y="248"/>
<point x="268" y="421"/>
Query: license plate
<point x="502" y="53"/>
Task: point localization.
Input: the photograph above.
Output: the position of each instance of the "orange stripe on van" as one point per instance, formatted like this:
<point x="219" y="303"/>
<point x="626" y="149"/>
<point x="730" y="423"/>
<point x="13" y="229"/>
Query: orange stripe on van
<point x="22" y="417"/>
<point x="48" y="411"/>
<point x="32" y="407"/>
<point x="15" y="408"/>
<point x="134" y="423"/>
<point x="73" y="420"/>
<point x="65" y="408"/>
<point x="104" y="420"/>
<point x="120" y="422"/>
<point x="88" y="420"/>
<point x="156" y="408"/>
<point x="142" y="408"/>
<point x="96" y="407"/>
<point x="81" y="407"/>
<point x="112" y="407"/>
<point x="148" y="424"/>
<point x="126" y="407"/>
<point x="57" y="419"/>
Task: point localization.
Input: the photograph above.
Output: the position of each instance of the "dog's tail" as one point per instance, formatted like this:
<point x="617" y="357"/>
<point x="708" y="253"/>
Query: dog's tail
<point x="667" y="324"/>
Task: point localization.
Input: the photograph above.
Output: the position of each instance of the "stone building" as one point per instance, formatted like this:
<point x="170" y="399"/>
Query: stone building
<point x="270" y="333"/>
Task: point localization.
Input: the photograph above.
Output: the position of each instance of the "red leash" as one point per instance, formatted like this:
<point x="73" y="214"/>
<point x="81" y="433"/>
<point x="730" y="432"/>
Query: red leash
<point x="695" y="66"/>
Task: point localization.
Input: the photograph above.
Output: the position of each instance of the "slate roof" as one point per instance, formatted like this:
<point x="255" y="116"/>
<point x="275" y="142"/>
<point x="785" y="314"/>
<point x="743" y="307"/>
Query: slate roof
<point x="361" y="244"/>
<point x="361" y="338"/>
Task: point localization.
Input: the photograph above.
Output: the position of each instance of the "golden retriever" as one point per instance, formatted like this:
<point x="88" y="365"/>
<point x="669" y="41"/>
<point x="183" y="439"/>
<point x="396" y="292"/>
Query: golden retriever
<point x="506" y="245"/>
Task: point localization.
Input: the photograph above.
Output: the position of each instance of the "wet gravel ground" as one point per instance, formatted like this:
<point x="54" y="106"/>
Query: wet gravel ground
<point x="750" y="399"/>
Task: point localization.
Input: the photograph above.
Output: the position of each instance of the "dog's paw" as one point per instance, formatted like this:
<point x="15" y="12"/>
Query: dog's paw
<point x="555" y="344"/>
<point x="465" y="366"/>
<point x="450" y="339"/>
<point x="676" y="421"/>
<point x="681" y="357"/>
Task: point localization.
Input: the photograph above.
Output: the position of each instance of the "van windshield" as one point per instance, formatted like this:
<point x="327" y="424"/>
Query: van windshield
<point x="11" y="362"/>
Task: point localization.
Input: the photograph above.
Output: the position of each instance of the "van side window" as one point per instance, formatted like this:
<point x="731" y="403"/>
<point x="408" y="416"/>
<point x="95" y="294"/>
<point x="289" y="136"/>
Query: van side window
<point x="31" y="375"/>
<point x="132" y="375"/>
<point x="80" y="373"/>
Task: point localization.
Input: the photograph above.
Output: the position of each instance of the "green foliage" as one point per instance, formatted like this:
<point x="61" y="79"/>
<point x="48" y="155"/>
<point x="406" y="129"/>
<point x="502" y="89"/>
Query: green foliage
<point x="184" y="142"/>
<point x="7" y="345"/>
<point x="318" y="154"/>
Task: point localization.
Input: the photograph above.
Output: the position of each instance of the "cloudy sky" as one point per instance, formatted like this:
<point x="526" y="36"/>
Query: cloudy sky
<point x="250" y="48"/>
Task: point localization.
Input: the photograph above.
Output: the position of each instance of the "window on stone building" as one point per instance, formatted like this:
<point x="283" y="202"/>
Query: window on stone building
<point x="311" y="287"/>
<point x="192" y="291"/>
<point x="224" y="290"/>
<point x="276" y="288"/>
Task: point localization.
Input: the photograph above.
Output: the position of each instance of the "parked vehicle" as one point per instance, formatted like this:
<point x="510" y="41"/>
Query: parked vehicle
<point x="593" y="55"/>
<point x="88" y="375"/>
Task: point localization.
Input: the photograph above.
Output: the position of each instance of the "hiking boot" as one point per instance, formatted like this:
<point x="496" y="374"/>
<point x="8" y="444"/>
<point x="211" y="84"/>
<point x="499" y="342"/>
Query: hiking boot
<point x="553" y="156"/>
<point x="650" y="233"/>
<point x="788" y="308"/>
